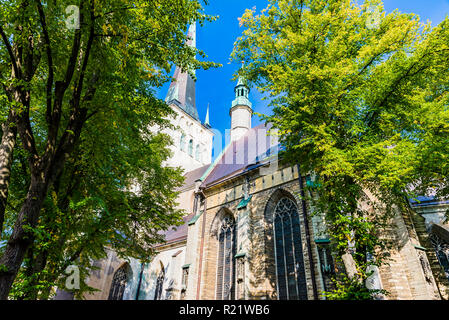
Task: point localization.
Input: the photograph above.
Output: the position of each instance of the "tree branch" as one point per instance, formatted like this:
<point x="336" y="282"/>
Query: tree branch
<point x="79" y="87"/>
<point x="10" y="52"/>
<point x="61" y="87"/>
<point x="49" y="58"/>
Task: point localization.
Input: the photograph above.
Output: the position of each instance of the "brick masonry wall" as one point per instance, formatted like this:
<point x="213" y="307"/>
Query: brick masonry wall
<point x="441" y="280"/>
<point x="407" y="274"/>
<point x="192" y="258"/>
<point x="255" y="236"/>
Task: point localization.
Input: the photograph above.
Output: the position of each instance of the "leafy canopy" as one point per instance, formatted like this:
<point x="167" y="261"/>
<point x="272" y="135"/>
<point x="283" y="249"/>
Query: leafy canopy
<point x="85" y="99"/>
<point x="360" y="97"/>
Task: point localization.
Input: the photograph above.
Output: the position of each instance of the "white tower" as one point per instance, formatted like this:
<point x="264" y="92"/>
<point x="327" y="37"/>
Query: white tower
<point x="192" y="147"/>
<point x="241" y="111"/>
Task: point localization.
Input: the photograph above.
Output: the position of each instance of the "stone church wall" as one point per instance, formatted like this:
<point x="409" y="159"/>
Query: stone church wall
<point x="170" y="258"/>
<point x="408" y="274"/>
<point x="254" y="238"/>
<point x="102" y="278"/>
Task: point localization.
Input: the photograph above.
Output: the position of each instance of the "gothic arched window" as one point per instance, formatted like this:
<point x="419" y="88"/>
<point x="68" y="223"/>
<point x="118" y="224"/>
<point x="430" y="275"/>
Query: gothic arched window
<point x="159" y="284"/>
<point x="291" y="284"/>
<point x="197" y="152"/>
<point x="119" y="283"/>
<point x="191" y="148"/>
<point x="182" y="142"/>
<point x="227" y="244"/>
<point x="442" y="251"/>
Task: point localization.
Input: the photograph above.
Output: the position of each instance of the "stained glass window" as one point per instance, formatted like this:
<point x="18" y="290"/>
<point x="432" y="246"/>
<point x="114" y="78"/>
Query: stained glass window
<point x="442" y="251"/>
<point x="118" y="283"/>
<point x="291" y="284"/>
<point x="227" y="244"/>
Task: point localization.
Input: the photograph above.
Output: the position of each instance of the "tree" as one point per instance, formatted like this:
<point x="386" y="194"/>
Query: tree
<point x="94" y="203"/>
<point x="360" y="97"/>
<point x="91" y="69"/>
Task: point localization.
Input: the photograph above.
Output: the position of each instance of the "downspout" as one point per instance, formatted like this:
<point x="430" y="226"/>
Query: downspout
<point x="142" y="266"/>
<point x="306" y="225"/>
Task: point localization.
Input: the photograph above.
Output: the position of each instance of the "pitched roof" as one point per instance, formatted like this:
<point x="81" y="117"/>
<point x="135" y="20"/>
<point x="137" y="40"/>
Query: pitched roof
<point x="423" y="201"/>
<point x="175" y="234"/>
<point x="182" y="93"/>
<point x="240" y="155"/>
<point x="192" y="176"/>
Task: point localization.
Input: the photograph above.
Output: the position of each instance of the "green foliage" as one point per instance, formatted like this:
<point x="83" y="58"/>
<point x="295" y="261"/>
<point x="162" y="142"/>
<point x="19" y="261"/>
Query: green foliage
<point x="347" y="289"/>
<point x="110" y="188"/>
<point x="360" y="98"/>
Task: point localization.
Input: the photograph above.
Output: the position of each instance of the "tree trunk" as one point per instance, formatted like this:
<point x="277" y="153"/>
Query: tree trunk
<point x="39" y="263"/>
<point x="42" y="175"/>
<point x="6" y="156"/>
<point x="21" y="239"/>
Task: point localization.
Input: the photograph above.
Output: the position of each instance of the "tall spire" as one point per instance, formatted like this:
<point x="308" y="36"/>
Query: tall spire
<point x="206" y="122"/>
<point x="182" y="89"/>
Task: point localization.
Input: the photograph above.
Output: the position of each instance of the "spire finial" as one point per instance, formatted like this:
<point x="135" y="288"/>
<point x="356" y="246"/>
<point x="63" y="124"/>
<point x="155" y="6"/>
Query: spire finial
<point x="206" y="122"/>
<point x="241" y="80"/>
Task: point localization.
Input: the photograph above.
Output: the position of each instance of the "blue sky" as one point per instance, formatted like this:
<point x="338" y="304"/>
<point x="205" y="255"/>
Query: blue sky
<point x="216" y="39"/>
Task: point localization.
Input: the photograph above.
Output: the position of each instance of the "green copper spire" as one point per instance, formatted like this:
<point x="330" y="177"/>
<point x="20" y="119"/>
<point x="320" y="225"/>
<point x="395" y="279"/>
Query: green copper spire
<point x="241" y="93"/>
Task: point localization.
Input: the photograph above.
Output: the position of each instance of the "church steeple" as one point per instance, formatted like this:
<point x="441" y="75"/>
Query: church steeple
<point x="206" y="122"/>
<point x="241" y="110"/>
<point x="241" y="93"/>
<point x="182" y="89"/>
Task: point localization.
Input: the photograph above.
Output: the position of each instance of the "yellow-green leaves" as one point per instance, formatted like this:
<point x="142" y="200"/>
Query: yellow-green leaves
<point x="361" y="98"/>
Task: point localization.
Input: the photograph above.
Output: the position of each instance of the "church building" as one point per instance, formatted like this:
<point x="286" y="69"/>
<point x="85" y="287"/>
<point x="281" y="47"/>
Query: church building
<point x="249" y="233"/>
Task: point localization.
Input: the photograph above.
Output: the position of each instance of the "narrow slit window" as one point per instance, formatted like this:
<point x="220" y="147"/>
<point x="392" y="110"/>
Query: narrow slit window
<point x="191" y="148"/>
